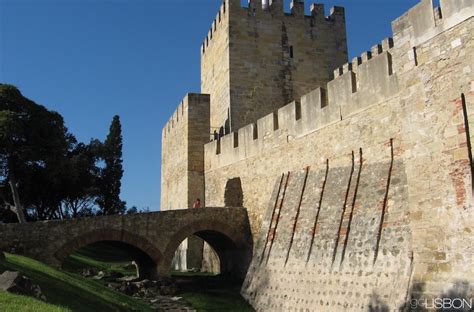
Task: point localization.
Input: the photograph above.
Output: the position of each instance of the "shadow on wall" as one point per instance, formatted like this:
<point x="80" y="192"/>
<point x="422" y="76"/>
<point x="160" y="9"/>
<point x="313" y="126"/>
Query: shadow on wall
<point x="233" y="196"/>
<point x="254" y="284"/>
<point x="377" y="305"/>
<point x="459" y="298"/>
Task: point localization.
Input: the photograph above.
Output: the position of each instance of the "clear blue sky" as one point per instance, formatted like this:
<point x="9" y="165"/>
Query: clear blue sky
<point x="92" y="59"/>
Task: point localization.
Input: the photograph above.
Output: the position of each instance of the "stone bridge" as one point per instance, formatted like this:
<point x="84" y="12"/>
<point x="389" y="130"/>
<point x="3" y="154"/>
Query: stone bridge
<point x="151" y="238"/>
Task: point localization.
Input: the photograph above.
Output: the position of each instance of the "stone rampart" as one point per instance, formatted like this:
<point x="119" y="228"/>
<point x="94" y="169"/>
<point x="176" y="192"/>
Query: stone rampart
<point x="392" y="133"/>
<point x="182" y="162"/>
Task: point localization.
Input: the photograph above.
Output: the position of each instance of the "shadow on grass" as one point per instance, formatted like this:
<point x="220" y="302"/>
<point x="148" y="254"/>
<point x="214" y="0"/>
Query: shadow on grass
<point x="70" y="290"/>
<point x="212" y="293"/>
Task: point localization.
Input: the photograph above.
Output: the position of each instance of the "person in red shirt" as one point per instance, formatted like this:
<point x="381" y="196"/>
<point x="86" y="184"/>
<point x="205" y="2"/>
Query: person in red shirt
<point x="197" y="203"/>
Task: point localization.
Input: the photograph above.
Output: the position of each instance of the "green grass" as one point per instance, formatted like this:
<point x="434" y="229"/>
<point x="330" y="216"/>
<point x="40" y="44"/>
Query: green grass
<point x="14" y="303"/>
<point x="68" y="291"/>
<point x="101" y="256"/>
<point x="65" y="289"/>
<point x="217" y="300"/>
<point x="212" y="293"/>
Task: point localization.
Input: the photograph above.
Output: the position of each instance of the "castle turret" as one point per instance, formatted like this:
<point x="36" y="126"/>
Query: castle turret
<point x="256" y="60"/>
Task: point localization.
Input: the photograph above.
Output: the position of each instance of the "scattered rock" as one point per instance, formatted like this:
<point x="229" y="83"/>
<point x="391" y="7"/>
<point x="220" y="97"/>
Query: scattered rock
<point x="163" y="303"/>
<point x="16" y="283"/>
<point x="129" y="289"/>
<point x="113" y="285"/>
<point x="115" y="274"/>
<point x="146" y="288"/>
<point x="89" y="272"/>
<point x="176" y="298"/>
<point x="99" y="275"/>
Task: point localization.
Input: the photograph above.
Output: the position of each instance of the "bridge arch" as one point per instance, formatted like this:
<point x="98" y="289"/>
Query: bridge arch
<point x="147" y="255"/>
<point x="234" y="248"/>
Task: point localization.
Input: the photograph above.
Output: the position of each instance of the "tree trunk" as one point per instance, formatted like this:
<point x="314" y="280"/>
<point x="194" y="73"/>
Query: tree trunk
<point x="16" y="198"/>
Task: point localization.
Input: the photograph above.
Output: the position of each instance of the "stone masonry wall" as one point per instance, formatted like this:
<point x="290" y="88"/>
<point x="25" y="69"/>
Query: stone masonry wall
<point x="276" y="57"/>
<point x="215" y="76"/>
<point x="329" y="244"/>
<point x="182" y="174"/>
<point x="403" y="110"/>
<point x="255" y="61"/>
<point x="155" y="234"/>
<point x="183" y="138"/>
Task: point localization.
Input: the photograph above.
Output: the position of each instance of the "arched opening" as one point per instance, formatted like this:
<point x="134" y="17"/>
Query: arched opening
<point x="194" y="255"/>
<point x="233" y="195"/>
<point x="110" y="259"/>
<point x="222" y="253"/>
<point x="111" y="250"/>
<point x="232" y="248"/>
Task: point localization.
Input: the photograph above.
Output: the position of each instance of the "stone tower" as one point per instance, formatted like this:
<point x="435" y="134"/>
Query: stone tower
<point x="257" y="59"/>
<point x="254" y="60"/>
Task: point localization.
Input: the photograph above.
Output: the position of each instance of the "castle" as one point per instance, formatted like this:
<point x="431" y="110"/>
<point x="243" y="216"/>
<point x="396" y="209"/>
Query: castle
<point x="357" y="176"/>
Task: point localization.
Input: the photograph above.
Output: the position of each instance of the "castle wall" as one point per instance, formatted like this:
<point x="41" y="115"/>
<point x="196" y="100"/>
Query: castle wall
<point x="255" y="61"/>
<point x="215" y="73"/>
<point x="182" y="167"/>
<point x="174" y="154"/>
<point x="182" y="164"/>
<point x="277" y="57"/>
<point x="405" y="197"/>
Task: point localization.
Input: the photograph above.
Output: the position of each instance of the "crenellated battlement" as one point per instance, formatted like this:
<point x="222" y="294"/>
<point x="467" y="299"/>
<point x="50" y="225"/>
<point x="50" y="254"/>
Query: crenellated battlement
<point x="192" y="105"/>
<point x="357" y="61"/>
<point x="174" y="120"/>
<point x="255" y="10"/>
<point x="217" y="24"/>
<point x="245" y="43"/>
<point x="367" y="80"/>
<point x="424" y="21"/>
<point x="370" y="76"/>
<point x="385" y="140"/>
<point x="296" y="119"/>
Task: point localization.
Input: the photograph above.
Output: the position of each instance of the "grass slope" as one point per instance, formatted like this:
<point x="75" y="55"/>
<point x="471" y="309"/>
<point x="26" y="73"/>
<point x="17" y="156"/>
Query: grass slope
<point x="64" y="289"/>
<point x="14" y="303"/>
<point x="212" y="293"/>
<point x="204" y="291"/>
<point x="102" y="256"/>
<point x="217" y="300"/>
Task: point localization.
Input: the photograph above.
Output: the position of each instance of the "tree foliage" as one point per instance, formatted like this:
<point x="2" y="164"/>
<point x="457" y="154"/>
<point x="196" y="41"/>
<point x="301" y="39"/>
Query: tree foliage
<point x="33" y="146"/>
<point x="45" y="173"/>
<point x="111" y="175"/>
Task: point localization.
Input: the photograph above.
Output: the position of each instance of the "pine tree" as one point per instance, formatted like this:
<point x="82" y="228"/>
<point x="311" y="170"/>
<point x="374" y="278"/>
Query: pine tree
<point x="109" y="199"/>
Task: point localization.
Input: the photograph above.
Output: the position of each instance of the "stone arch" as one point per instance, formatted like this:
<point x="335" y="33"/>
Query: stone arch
<point x="233" y="194"/>
<point x="234" y="248"/>
<point x="148" y="256"/>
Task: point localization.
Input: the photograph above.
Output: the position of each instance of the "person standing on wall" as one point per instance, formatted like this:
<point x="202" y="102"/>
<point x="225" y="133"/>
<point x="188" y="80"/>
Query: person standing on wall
<point x="197" y="203"/>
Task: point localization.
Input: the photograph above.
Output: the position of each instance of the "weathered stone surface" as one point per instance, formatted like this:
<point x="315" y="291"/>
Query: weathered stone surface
<point x="146" y="288"/>
<point x="387" y="140"/>
<point x="254" y="61"/>
<point x="16" y="283"/>
<point x="155" y="236"/>
<point x="182" y="161"/>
